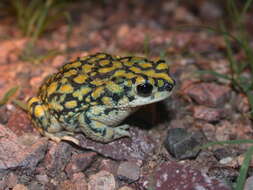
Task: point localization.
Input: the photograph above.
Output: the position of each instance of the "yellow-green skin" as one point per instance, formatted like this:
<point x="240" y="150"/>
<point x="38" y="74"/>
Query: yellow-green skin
<point x="94" y="94"/>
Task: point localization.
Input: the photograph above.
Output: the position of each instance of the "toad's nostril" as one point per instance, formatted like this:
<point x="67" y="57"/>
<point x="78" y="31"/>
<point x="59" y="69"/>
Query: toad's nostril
<point x="168" y="86"/>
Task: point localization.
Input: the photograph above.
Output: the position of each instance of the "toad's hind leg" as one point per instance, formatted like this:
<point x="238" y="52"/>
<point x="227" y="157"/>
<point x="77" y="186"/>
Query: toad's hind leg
<point x="46" y="125"/>
<point x="100" y="132"/>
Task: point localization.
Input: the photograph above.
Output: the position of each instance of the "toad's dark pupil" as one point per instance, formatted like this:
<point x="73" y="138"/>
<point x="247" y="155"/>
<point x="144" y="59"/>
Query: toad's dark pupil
<point x="144" y="89"/>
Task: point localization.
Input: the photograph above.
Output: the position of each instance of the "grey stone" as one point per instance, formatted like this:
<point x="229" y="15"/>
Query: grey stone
<point x="128" y="171"/>
<point x="57" y="157"/>
<point x="102" y="180"/>
<point x="181" y="144"/>
<point x="80" y="162"/>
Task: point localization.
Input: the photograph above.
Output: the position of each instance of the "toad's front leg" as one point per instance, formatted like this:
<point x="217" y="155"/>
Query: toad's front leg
<point x="101" y="132"/>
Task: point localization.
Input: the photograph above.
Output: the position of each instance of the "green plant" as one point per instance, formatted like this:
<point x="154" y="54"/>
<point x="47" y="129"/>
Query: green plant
<point x="241" y="71"/>
<point x="35" y="16"/>
<point x="8" y="95"/>
<point x="146" y="45"/>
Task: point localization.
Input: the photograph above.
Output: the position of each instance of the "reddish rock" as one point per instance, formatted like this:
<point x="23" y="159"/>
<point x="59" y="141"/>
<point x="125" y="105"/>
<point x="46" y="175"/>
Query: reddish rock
<point x="102" y="180"/>
<point x="14" y="155"/>
<point x="240" y="129"/>
<point x="109" y="165"/>
<point x="183" y="15"/>
<point x="3" y="184"/>
<point x="66" y="185"/>
<point x="20" y="187"/>
<point x="242" y="103"/>
<point x="211" y="11"/>
<point x="59" y="60"/>
<point x="43" y="179"/>
<point x="249" y="183"/>
<point x="11" y="180"/>
<point x="126" y="188"/>
<point x="79" y="181"/>
<point x="138" y="146"/>
<point x="131" y="38"/>
<point x="10" y="49"/>
<point x="4" y="115"/>
<point x="128" y="171"/>
<point x="57" y="157"/>
<point x="38" y="186"/>
<point x="208" y="114"/>
<point x="80" y="162"/>
<point x="19" y="122"/>
<point x="139" y="38"/>
<point x="171" y="175"/>
<point x="209" y="94"/>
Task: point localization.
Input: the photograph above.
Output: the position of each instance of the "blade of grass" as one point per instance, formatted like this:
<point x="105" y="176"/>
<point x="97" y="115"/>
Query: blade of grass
<point x="245" y="9"/>
<point x="240" y="181"/>
<point x="10" y="93"/>
<point x="247" y="158"/>
<point x="19" y="10"/>
<point x="32" y="22"/>
<point x="70" y="24"/>
<point x="230" y="56"/>
<point x="239" y="141"/>
<point x="31" y="15"/>
<point x="250" y="98"/>
<point x="233" y="10"/>
<point x="20" y="104"/>
<point x="42" y="18"/>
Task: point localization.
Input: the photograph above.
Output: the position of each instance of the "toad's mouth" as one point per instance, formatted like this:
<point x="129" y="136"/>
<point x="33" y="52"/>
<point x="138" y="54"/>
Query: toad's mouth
<point x="138" y="102"/>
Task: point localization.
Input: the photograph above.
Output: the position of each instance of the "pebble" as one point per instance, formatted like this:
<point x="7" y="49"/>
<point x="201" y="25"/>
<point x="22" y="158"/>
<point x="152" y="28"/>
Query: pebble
<point x="102" y="180"/>
<point x="20" y="187"/>
<point x="181" y="143"/>
<point x="125" y="188"/>
<point x="208" y="94"/>
<point x="208" y="114"/>
<point x="128" y="171"/>
<point x="249" y="183"/>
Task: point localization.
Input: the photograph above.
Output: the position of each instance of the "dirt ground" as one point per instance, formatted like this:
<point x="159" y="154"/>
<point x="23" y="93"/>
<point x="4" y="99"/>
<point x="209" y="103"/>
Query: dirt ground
<point x="205" y="107"/>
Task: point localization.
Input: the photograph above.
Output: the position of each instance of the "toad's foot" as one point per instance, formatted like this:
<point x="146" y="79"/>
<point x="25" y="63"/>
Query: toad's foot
<point x="121" y="131"/>
<point x="57" y="137"/>
<point x="99" y="131"/>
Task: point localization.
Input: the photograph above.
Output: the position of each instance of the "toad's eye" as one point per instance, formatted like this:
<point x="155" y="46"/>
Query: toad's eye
<point x="144" y="90"/>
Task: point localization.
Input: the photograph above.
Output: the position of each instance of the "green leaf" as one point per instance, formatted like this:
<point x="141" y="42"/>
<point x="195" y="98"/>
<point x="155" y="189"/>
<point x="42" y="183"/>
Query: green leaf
<point x="246" y="8"/>
<point x="20" y="104"/>
<point x="10" y="93"/>
<point x="230" y="55"/>
<point x="244" y="169"/>
<point x="229" y="142"/>
<point x="250" y="98"/>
